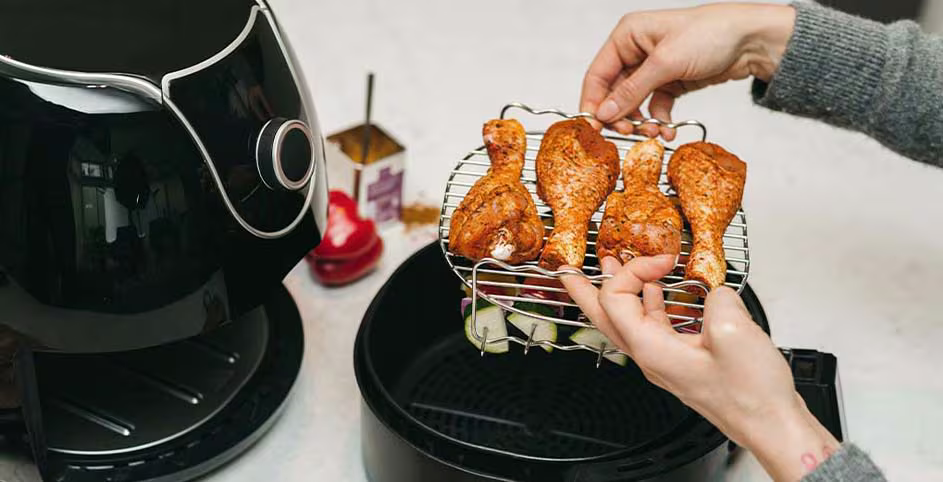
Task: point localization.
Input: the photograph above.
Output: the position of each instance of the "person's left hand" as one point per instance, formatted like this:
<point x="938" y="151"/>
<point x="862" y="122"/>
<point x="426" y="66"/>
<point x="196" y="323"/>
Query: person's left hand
<point x="731" y="373"/>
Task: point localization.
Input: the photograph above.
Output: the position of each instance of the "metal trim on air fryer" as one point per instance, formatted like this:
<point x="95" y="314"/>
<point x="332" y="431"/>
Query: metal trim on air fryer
<point x="171" y="76"/>
<point x="280" y="134"/>
<point x="126" y="83"/>
<point x="258" y="144"/>
<point x="320" y="215"/>
<point x="222" y="189"/>
<point x="276" y="158"/>
<point x="168" y="78"/>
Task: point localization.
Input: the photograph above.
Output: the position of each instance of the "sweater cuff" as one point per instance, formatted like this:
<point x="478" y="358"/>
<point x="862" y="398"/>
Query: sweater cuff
<point x="831" y="69"/>
<point x="848" y="463"/>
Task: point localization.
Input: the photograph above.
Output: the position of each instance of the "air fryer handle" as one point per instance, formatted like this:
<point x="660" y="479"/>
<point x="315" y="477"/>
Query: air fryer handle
<point x="817" y="381"/>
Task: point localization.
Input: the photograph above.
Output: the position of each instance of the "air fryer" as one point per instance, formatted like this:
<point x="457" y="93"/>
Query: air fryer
<point x="161" y="171"/>
<point x="435" y="409"/>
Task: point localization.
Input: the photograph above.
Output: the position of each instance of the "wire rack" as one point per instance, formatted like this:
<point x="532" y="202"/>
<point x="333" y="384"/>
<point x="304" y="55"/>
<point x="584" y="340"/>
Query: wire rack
<point x="504" y="285"/>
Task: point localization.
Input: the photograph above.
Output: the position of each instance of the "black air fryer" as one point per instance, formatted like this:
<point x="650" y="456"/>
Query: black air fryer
<point x="161" y="170"/>
<point x="436" y="410"/>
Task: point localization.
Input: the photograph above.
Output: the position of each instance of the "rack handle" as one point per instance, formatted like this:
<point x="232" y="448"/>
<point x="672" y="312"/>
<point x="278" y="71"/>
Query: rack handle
<point x="587" y="115"/>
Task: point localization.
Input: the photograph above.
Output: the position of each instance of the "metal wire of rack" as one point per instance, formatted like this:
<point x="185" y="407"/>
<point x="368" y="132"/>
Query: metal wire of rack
<point x="517" y="284"/>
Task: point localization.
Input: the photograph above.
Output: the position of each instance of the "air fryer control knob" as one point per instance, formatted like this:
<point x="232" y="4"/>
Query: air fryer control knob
<point x="283" y="154"/>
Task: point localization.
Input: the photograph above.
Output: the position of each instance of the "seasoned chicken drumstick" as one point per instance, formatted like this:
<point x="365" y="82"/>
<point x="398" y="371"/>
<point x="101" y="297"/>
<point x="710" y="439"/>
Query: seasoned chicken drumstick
<point x="709" y="180"/>
<point x="576" y="169"/>
<point x="641" y="221"/>
<point x="498" y="217"/>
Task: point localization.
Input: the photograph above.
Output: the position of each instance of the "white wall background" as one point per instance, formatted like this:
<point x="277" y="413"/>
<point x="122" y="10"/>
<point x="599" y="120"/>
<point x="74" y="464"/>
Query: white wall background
<point x="932" y="16"/>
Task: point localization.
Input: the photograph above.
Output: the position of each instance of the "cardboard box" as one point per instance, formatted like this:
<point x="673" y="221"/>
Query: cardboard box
<point x="377" y="184"/>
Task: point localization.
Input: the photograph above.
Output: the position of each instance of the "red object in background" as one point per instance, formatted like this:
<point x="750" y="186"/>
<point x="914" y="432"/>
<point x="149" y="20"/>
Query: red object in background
<point x="350" y="248"/>
<point x="348" y="235"/>
<point x="336" y="273"/>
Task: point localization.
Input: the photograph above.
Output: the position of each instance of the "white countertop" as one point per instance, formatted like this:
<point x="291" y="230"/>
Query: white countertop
<point x="846" y="238"/>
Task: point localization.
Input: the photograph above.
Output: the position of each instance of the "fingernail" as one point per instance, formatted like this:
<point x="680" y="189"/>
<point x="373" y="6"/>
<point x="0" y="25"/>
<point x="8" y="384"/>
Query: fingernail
<point x="607" y="111"/>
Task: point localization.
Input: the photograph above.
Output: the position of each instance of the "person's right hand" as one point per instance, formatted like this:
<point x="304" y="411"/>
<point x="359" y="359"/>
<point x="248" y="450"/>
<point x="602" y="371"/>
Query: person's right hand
<point x="731" y="373"/>
<point x="664" y="54"/>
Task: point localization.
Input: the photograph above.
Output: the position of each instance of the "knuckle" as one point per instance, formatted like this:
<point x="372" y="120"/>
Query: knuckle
<point x="606" y="295"/>
<point x="627" y="89"/>
<point x="659" y="60"/>
<point x="627" y="19"/>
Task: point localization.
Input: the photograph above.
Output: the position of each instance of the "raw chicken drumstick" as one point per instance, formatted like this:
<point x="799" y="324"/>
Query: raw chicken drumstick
<point x="498" y="217"/>
<point x="641" y="221"/>
<point x="709" y="180"/>
<point x="576" y="169"/>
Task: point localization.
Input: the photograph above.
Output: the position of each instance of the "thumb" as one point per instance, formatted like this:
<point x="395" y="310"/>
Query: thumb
<point x="652" y="268"/>
<point x="722" y="302"/>
<point x="628" y="94"/>
<point x="725" y="317"/>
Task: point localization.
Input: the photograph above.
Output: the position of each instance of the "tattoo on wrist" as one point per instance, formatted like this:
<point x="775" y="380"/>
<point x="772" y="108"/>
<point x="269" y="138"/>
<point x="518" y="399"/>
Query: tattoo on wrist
<point x="811" y="462"/>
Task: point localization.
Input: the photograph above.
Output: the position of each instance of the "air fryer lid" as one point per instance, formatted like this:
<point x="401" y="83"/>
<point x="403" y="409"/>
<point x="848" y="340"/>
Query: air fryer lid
<point x="516" y="416"/>
<point x="239" y="97"/>
<point x="216" y="159"/>
<point x="140" y="37"/>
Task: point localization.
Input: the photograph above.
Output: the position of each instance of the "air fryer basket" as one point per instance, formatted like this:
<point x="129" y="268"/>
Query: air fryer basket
<point x="434" y="409"/>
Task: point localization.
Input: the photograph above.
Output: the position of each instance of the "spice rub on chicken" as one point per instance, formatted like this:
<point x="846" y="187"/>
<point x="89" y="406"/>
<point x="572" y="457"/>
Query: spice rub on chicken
<point x="498" y="218"/>
<point x="577" y="168"/>
<point x="640" y="220"/>
<point x="709" y="182"/>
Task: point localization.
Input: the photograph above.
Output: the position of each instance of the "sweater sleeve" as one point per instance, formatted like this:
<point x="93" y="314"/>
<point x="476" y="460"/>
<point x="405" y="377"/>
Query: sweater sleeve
<point x="849" y="464"/>
<point x="883" y="80"/>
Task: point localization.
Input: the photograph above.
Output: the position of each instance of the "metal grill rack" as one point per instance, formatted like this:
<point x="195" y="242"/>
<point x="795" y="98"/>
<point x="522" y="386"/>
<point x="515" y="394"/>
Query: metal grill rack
<point x="684" y="306"/>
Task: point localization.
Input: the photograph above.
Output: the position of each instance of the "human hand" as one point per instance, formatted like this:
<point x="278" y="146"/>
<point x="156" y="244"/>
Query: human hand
<point x="666" y="53"/>
<point x="731" y="373"/>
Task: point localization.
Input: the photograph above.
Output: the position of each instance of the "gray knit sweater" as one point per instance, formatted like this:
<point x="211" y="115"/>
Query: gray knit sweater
<point x="883" y="80"/>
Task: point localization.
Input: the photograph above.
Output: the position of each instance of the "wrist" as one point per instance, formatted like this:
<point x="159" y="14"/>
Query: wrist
<point x="790" y="443"/>
<point x="765" y="45"/>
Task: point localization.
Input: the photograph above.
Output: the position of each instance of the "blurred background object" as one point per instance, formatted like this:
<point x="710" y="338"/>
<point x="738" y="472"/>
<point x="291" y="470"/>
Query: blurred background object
<point x="880" y="10"/>
<point x="351" y="247"/>
<point x="368" y="163"/>
<point x="928" y="13"/>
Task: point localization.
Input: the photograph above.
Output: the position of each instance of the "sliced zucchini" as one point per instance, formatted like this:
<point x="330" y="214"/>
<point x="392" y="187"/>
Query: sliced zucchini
<point x="544" y="330"/>
<point x="594" y="338"/>
<point x="489" y="316"/>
